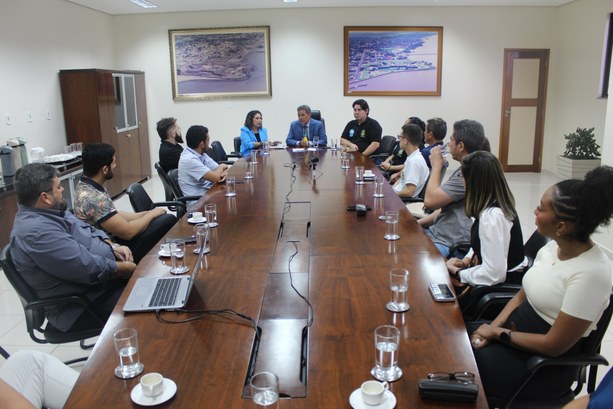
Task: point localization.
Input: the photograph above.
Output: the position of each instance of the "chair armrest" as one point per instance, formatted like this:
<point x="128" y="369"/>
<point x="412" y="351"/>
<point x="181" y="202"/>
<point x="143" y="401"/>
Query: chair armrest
<point x="55" y="301"/>
<point x="188" y="198"/>
<point x="538" y="361"/>
<point x="174" y="203"/>
<point x="234" y="155"/>
<point x="226" y="162"/>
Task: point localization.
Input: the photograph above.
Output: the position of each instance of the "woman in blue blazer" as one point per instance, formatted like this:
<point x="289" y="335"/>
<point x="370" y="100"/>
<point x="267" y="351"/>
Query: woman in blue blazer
<point x="253" y="135"/>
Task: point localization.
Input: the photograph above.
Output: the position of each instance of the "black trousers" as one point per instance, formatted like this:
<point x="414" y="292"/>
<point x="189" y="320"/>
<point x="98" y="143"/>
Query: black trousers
<point x="141" y="244"/>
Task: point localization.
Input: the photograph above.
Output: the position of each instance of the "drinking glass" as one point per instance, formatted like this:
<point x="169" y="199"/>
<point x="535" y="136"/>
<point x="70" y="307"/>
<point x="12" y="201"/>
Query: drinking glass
<point x="399" y="284"/>
<point x="379" y="180"/>
<point x="248" y="174"/>
<point x="126" y="345"/>
<point x="265" y="390"/>
<point x="391" y="225"/>
<point x="230" y="186"/>
<point x="202" y="233"/>
<point x="344" y="163"/>
<point x="254" y="155"/>
<point x="359" y="175"/>
<point x="210" y="211"/>
<point x="177" y="257"/>
<point x="316" y="142"/>
<point x="266" y="148"/>
<point x="387" y="342"/>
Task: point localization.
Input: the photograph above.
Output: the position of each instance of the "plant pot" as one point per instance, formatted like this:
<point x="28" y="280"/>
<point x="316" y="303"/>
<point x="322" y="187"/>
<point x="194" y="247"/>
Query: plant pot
<point x="575" y="168"/>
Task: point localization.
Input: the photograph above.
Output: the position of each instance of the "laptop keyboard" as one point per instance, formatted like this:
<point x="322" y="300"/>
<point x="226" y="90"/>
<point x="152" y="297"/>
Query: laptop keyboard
<point x="165" y="292"/>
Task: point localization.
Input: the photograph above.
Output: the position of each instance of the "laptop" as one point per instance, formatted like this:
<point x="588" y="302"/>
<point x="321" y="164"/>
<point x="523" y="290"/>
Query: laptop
<point x="162" y="293"/>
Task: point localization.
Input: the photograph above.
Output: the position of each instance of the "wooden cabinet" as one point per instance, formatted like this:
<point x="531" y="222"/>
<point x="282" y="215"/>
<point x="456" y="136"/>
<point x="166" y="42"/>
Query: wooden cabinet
<point x="109" y="106"/>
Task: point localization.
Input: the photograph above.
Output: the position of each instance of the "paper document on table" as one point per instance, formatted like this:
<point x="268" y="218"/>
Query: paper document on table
<point x="298" y="150"/>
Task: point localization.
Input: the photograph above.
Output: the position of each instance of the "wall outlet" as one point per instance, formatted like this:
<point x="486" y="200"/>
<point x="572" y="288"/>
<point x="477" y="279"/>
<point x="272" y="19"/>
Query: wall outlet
<point x="48" y="115"/>
<point x="29" y="116"/>
<point x="8" y="118"/>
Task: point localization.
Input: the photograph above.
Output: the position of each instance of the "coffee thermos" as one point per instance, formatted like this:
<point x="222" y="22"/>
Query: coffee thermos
<point x="20" y="153"/>
<point x="6" y="162"/>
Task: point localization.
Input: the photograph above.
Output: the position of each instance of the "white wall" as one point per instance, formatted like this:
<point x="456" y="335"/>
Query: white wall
<point x="307" y="64"/>
<point x="40" y="37"/>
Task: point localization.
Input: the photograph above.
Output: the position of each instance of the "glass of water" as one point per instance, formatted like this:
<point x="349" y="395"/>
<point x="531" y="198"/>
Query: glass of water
<point x="202" y="232"/>
<point x="399" y="284"/>
<point x="391" y="225"/>
<point x="177" y="257"/>
<point x="387" y="342"/>
<point x="210" y="212"/>
<point x="126" y="345"/>
<point x="316" y="142"/>
<point x="379" y="180"/>
<point x="265" y="390"/>
<point x="359" y="175"/>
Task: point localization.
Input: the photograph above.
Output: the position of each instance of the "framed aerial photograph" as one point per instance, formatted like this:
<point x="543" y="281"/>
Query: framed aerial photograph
<point x="220" y="63"/>
<point x="393" y="60"/>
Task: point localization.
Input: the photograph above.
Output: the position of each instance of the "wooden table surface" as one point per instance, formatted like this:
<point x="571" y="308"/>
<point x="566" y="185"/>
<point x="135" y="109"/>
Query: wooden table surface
<point x="341" y="264"/>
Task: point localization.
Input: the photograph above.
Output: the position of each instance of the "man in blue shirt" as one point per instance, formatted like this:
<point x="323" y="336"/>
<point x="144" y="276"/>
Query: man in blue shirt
<point x="57" y="254"/>
<point x="305" y="130"/>
<point x="197" y="171"/>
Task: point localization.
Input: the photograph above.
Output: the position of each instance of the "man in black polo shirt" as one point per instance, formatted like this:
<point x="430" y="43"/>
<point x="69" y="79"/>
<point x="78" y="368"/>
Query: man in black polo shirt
<point x="363" y="133"/>
<point x="170" y="150"/>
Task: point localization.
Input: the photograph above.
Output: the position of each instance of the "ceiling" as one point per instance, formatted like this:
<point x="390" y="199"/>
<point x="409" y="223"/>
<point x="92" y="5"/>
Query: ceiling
<point x="115" y="7"/>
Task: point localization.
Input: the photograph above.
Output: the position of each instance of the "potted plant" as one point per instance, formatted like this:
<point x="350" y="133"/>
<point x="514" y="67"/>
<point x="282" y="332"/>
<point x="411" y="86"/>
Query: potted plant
<point x="581" y="154"/>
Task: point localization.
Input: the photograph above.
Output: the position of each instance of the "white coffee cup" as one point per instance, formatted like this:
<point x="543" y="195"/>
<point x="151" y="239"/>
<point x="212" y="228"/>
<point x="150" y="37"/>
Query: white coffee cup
<point x="165" y="248"/>
<point x="373" y="392"/>
<point x="152" y="384"/>
<point x="197" y="216"/>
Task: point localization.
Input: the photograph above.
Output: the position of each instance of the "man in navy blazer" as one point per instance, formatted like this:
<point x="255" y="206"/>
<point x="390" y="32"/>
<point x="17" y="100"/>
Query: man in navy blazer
<point x="303" y="131"/>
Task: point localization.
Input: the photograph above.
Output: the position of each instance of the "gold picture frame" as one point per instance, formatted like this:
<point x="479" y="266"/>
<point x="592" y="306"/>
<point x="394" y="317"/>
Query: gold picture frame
<point x="220" y="63"/>
<point x="393" y="61"/>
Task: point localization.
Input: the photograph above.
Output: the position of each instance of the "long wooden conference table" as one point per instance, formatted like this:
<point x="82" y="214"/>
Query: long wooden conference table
<point x="262" y="246"/>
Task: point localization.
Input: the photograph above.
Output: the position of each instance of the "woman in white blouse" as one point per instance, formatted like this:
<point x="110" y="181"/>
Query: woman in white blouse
<point x="497" y="245"/>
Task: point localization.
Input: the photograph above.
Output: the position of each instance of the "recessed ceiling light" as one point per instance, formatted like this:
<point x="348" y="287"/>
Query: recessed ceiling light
<point x="144" y="4"/>
<point x="290" y="1"/>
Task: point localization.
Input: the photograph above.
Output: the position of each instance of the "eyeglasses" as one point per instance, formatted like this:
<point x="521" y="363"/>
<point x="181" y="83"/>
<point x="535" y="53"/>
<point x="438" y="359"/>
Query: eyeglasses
<point x="461" y="377"/>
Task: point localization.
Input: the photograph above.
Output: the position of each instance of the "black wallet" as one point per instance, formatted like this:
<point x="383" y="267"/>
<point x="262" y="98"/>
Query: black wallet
<point x="448" y="390"/>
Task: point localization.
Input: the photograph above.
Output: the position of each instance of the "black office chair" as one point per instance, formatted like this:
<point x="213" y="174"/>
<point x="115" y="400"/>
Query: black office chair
<point x="237" y="147"/>
<point x="586" y="360"/>
<point x="140" y="201"/>
<point x="164" y="178"/>
<point x="316" y="114"/>
<point x="218" y="153"/>
<point x="386" y="148"/>
<point x="486" y="302"/>
<point x="173" y="178"/>
<point x="34" y="308"/>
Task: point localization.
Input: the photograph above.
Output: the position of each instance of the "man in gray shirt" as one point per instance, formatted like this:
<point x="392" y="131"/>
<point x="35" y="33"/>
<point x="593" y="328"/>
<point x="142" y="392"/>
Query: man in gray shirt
<point x="58" y="254"/>
<point x="449" y="223"/>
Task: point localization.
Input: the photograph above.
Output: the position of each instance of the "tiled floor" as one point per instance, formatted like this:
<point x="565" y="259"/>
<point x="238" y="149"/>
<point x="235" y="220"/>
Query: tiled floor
<point x="527" y="188"/>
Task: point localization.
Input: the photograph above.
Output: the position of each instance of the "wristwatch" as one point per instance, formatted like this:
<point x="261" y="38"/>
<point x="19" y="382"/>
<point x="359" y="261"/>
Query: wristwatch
<point x="505" y="338"/>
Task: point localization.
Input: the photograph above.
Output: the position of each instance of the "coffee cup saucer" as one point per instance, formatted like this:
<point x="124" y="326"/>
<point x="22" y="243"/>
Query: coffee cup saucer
<point x="170" y="388"/>
<point x="356" y="402"/>
<point x="163" y="253"/>
<point x="191" y="220"/>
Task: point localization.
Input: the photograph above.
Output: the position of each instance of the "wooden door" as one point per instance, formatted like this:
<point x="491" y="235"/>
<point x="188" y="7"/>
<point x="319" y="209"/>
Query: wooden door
<point x="524" y="93"/>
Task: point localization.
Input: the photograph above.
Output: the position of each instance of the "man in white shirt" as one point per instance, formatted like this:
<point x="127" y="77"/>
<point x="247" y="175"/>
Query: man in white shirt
<point x="412" y="179"/>
<point x="197" y="171"/>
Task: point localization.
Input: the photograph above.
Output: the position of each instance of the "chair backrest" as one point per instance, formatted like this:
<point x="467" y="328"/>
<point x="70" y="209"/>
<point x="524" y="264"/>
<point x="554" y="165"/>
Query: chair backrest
<point x="173" y="177"/>
<point x="533" y="245"/>
<point x="139" y="199"/>
<point x="165" y="182"/>
<point x="237" y="145"/>
<point x="212" y="154"/>
<point x="220" y="152"/>
<point x="316" y="114"/>
<point x="591" y="343"/>
<point x="387" y="144"/>
<point x="35" y="318"/>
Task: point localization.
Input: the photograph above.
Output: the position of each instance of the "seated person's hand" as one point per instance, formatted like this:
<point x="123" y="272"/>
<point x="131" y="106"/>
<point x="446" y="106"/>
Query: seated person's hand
<point x="394" y="177"/>
<point x="123" y="253"/>
<point x="454" y="265"/>
<point x="274" y="143"/>
<point x="304" y="144"/>
<point x="436" y="157"/>
<point x="158" y="211"/>
<point x="385" y="166"/>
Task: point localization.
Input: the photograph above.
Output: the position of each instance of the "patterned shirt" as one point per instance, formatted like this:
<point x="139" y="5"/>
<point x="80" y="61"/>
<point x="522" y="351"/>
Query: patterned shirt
<point x="93" y="204"/>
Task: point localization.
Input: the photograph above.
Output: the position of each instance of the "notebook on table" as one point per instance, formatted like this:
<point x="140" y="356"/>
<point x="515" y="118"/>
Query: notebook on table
<point x="162" y="293"/>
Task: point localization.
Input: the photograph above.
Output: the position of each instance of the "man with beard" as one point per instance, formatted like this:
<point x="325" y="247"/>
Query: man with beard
<point x="170" y="150"/>
<point x="139" y="231"/>
<point x="57" y="254"/>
